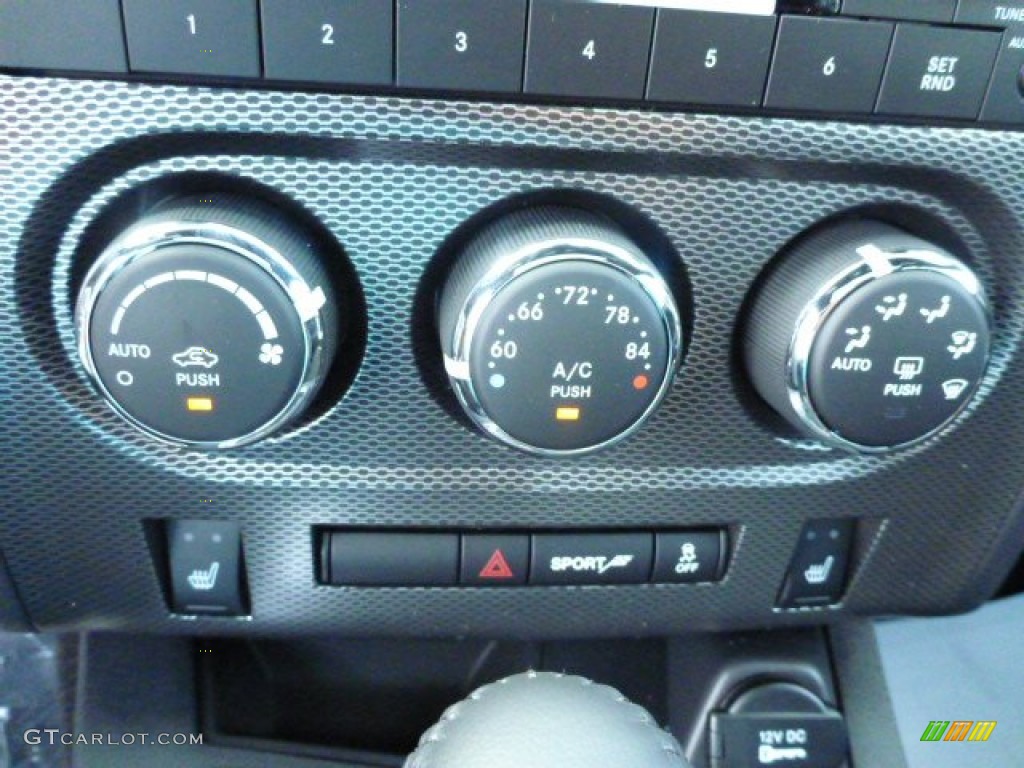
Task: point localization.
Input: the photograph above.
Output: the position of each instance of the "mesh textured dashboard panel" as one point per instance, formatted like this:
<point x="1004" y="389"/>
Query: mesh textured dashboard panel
<point x="391" y="178"/>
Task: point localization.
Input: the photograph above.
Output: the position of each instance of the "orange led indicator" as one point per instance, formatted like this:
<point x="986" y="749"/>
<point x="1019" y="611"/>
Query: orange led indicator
<point x="567" y="414"/>
<point x="641" y="382"/>
<point x="200" y="404"/>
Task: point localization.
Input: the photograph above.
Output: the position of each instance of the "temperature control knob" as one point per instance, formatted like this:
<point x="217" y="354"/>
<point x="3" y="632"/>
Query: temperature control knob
<point x="560" y="336"/>
<point x="208" y="324"/>
<point x="868" y="337"/>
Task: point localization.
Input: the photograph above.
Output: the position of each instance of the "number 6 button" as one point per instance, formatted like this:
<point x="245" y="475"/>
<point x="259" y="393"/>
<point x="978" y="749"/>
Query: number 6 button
<point x="461" y="45"/>
<point x="586" y="49"/>
<point x="828" y="65"/>
<point x="327" y="41"/>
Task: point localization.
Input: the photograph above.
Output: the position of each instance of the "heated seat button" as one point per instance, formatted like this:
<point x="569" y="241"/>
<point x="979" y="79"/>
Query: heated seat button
<point x="494" y="560"/>
<point x="218" y="37"/>
<point x="935" y="72"/>
<point x="828" y="65"/>
<point x="206" y="567"/>
<point x="817" y="571"/>
<point x="688" y="557"/>
<point x="461" y="45"/>
<point x="392" y="559"/>
<point x="613" y="558"/>
<point x="710" y="58"/>
<point x="587" y="49"/>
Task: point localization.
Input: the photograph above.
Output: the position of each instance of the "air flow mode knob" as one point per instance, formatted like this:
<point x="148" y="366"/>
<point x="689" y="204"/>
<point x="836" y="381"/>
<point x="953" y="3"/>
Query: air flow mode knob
<point x="867" y="337"/>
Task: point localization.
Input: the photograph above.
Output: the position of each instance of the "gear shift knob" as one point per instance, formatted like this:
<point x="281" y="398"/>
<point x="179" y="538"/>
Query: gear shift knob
<point x="546" y="720"/>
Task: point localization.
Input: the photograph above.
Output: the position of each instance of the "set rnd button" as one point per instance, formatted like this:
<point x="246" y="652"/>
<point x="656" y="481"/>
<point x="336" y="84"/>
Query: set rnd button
<point x="941" y="74"/>
<point x="936" y="72"/>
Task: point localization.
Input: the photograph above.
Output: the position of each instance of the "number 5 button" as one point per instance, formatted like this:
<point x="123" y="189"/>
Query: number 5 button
<point x="462" y="45"/>
<point x="590" y="50"/>
<point x="828" y="65"/>
<point x="328" y="41"/>
<point x="710" y="58"/>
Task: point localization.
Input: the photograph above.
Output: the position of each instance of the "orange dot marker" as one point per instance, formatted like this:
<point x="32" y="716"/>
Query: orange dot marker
<point x="641" y="382"/>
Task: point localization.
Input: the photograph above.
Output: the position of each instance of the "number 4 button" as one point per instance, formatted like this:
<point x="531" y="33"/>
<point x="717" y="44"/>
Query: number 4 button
<point x="586" y="49"/>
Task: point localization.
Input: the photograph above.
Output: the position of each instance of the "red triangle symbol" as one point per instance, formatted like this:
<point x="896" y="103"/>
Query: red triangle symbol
<point x="497" y="567"/>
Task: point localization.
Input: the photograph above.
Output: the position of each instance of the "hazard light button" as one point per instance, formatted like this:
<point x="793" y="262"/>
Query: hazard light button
<point x="494" y="560"/>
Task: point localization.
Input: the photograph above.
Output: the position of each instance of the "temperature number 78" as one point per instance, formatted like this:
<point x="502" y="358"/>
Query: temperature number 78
<point x="620" y="315"/>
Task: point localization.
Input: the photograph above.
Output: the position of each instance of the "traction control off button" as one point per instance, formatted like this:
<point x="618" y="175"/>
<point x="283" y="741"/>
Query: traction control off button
<point x="688" y="558"/>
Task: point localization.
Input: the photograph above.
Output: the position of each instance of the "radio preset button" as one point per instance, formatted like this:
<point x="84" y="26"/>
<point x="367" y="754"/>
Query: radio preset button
<point x="327" y="41"/>
<point x="35" y="35"/>
<point x="464" y="45"/>
<point x="710" y="58"/>
<point x="189" y="38"/>
<point x="828" y="65"/>
<point x="588" y="49"/>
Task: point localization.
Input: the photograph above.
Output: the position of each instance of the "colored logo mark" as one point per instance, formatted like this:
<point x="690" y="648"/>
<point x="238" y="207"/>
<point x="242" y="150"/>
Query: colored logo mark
<point x="959" y="730"/>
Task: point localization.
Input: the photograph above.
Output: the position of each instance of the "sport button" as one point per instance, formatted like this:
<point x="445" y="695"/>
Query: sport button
<point x="614" y="558"/>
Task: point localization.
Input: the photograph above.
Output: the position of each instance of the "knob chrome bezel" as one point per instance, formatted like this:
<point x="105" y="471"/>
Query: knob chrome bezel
<point x="876" y="263"/>
<point x="535" y="255"/>
<point x="145" y="239"/>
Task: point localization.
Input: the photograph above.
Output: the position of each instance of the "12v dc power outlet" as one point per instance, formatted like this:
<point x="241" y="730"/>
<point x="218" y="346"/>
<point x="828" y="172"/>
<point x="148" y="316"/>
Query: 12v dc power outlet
<point x="778" y="724"/>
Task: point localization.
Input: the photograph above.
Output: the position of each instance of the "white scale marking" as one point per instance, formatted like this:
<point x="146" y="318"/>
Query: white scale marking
<point x="222" y="282"/>
<point x="115" y="326"/>
<point x="133" y="295"/>
<point x="153" y="282"/>
<point x="190" y="274"/>
<point x="249" y="300"/>
<point x="267" y="324"/>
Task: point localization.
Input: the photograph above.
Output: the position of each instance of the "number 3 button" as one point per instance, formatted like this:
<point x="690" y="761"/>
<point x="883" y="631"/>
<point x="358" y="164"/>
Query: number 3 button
<point x="461" y="45"/>
<point x="828" y="65"/>
<point x="588" y="50"/>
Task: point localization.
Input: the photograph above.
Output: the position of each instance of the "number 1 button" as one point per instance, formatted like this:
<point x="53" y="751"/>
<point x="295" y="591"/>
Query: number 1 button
<point x="828" y="65"/>
<point x="588" y="50"/>
<point x="192" y="37"/>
